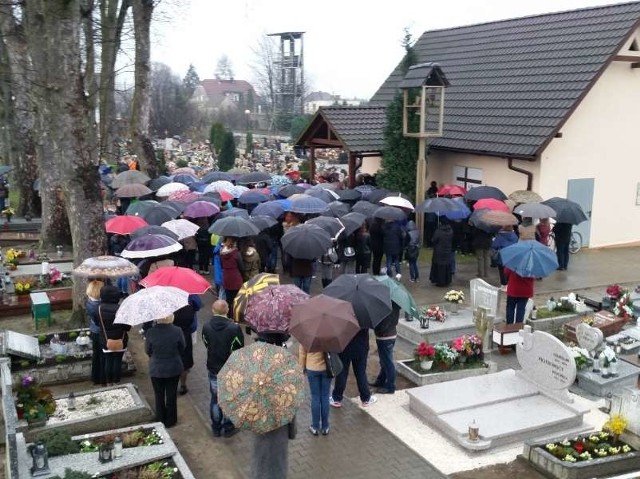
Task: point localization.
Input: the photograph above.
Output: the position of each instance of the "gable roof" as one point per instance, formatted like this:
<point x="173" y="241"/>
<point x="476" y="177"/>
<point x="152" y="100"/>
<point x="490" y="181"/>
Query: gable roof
<point x="515" y="82"/>
<point x="215" y="87"/>
<point x="357" y="129"/>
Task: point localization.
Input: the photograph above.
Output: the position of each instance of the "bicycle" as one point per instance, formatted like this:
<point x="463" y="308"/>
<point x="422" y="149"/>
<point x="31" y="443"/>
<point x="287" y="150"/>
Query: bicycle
<point x="575" y="244"/>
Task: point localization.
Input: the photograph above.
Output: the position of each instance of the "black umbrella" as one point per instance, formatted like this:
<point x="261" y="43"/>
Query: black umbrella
<point x="306" y="241"/>
<point x="479" y="192"/>
<point x="378" y="195"/>
<point x="567" y="211"/>
<point x="234" y="212"/>
<point x="255" y="177"/>
<point x="371" y="300"/>
<point x="289" y="190"/>
<point x="234" y="226"/>
<point x="349" y="195"/>
<point x="353" y="221"/>
<point x="263" y="221"/>
<point x="177" y="206"/>
<point x="438" y="205"/>
<point x="159" y="214"/>
<point x="153" y="230"/>
<point x="156" y="183"/>
<point x="365" y="207"/>
<point x="217" y="176"/>
<point x="390" y="213"/>
<point x="211" y="199"/>
<point x="252" y="197"/>
<point x="337" y="209"/>
<point x="325" y="195"/>
<point x="331" y="225"/>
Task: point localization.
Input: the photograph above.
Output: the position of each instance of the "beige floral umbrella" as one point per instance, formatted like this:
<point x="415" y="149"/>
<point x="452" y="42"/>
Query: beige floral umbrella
<point x="106" y="267"/>
<point x="525" y="196"/>
<point x="261" y="387"/>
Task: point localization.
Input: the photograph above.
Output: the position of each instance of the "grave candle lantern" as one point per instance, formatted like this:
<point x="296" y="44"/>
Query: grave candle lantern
<point x="40" y="460"/>
<point x="474" y="431"/>
<point x="105" y="452"/>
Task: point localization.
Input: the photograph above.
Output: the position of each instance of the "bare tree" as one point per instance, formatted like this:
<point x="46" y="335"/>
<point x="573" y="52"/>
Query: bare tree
<point x="53" y="38"/>
<point x="224" y="69"/>
<point x="264" y="70"/>
<point x="139" y="125"/>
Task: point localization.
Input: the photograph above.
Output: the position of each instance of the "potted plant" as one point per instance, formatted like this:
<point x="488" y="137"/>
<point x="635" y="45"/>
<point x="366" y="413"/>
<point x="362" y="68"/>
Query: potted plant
<point x="580" y="356"/>
<point x="445" y="355"/>
<point x="36" y="403"/>
<point x="8" y="213"/>
<point x="469" y="348"/>
<point x="424" y="354"/>
<point x="455" y="298"/>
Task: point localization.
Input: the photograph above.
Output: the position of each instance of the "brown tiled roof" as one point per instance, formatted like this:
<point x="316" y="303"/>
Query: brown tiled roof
<point x="216" y="87"/>
<point x="515" y="82"/>
<point x="359" y="128"/>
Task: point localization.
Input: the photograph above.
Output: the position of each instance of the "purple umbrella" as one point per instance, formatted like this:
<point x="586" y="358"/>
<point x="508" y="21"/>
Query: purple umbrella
<point x="151" y="245"/>
<point x="201" y="209"/>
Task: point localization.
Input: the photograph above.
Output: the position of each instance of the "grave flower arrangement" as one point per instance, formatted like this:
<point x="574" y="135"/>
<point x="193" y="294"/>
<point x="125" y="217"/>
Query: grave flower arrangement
<point x="454" y="296"/>
<point x="8" y="213"/>
<point x="595" y="445"/>
<point x="445" y="354"/>
<point x="434" y="313"/>
<point x="11" y="257"/>
<point x="468" y="347"/>
<point x="33" y="402"/>
<point x="55" y="276"/>
<point x="580" y="356"/>
<point x="614" y="291"/>
<point x="623" y="306"/>
<point x="424" y="352"/>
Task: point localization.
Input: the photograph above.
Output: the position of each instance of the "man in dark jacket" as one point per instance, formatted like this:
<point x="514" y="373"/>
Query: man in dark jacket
<point x="221" y="337"/>
<point x="377" y="250"/>
<point x="562" y="233"/>
<point x="393" y="243"/>
<point x="386" y="334"/>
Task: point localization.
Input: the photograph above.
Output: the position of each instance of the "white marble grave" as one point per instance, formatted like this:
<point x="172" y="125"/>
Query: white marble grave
<point x="486" y="295"/>
<point x="19" y="344"/>
<point x="501" y="403"/>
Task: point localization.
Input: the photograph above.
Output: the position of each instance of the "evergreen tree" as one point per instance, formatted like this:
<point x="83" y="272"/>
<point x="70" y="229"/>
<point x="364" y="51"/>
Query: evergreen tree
<point x="227" y="157"/>
<point x="190" y="81"/>
<point x="249" y="142"/>
<point x="216" y="136"/>
<point x="298" y="125"/>
<point x="400" y="155"/>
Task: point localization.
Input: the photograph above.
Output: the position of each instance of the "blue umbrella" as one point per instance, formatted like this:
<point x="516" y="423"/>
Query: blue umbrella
<point x="185" y="179"/>
<point x="270" y="208"/>
<point x="198" y="186"/>
<point x="530" y="259"/>
<point x="252" y="197"/>
<point x="449" y="207"/>
<point x="307" y="205"/>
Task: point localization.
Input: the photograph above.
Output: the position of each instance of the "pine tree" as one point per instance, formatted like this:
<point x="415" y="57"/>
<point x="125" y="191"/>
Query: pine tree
<point x="228" y="152"/>
<point x="400" y="154"/>
<point x="216" y="136"/>
<point x="191" y="81"/>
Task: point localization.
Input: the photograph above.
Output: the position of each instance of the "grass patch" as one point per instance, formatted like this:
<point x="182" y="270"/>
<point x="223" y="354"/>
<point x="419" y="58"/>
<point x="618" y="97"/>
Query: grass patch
<point x="544" y="313"/>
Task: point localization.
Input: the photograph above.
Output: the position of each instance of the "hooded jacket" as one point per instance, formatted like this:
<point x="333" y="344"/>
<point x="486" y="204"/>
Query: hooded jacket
<point x="221" y="336"/>
<point x="109" y="299"/>
<point x="413" y="241"/>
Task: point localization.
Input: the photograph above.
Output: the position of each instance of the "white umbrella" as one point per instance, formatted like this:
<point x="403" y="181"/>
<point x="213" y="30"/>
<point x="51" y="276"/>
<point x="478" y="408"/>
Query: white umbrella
<point x="166" y="190"/>
<point x="398" y="201"/>
<point x="151" y="303"/>
<point x="238" y="190"/>
<point x="182" y="228"/>
<point x="220" y="185"/>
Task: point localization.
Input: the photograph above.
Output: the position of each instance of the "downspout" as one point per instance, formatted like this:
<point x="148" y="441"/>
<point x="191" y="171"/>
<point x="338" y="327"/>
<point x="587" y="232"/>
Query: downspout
<point x="528" y="174"/>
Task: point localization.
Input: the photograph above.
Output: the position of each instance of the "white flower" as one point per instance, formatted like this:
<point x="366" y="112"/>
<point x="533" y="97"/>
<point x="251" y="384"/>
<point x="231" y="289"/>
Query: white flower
<point x="569" y="458"/>
<point x="609" y="354"/>
<point x="626" y="448"/>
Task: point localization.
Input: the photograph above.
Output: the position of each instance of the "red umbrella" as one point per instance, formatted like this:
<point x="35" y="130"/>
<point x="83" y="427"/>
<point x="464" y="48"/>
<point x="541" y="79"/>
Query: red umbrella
<point x="324" y="324"/>
<point x="183" y="278"/>
<point x="270" y="309"/>
<point x="491" y="204"/>
<point x="185" y="196"/>
<point x="451" y="190"/>
<point x="124" y="225"/>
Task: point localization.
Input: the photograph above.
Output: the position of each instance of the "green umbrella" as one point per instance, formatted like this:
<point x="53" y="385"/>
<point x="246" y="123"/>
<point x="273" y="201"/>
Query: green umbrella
<point x="399" y="294"/>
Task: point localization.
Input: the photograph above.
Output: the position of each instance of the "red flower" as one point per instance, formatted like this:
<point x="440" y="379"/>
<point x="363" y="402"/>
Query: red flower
<point x="425" y="350"/>
<point x="579" y="447"/>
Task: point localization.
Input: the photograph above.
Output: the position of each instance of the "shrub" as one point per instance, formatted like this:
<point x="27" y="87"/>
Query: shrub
<point x="59" y="443"/>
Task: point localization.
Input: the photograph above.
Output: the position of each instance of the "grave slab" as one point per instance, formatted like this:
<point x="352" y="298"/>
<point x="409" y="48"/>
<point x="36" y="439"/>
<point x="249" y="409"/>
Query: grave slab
<point x="19" y="344"/>
<point x="596" y="384"/>
<point x="498" y="402"/>
<point x="455" y="325"/>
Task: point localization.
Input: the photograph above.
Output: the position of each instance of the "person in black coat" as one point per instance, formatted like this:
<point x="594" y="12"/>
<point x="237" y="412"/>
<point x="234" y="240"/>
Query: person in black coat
<point x="481" y="243"/>
<point x="393" y="243"/>
<point x="109" y="304"/>
<point x="185" y="318"/>
<point x="442" y="240"/>
<point x="562" y="233"/>
<point x="165" y="344"/>
<point x="377" y="250"/>
<point x="386" y="333"/>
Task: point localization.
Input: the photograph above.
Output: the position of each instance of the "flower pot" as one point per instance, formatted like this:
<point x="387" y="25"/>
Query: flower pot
<point x="453" y="308"/>
<point x="37" y="422"/>
<point x="426" y="364"/>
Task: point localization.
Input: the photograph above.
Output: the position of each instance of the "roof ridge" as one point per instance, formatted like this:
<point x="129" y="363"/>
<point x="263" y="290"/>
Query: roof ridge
<point x="526" y="17"/>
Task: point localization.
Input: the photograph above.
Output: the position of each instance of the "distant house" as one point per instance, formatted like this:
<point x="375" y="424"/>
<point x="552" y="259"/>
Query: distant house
<point x="550" y="102"/>
<point x="217" y="94"/>
<point x="317" y="99"/>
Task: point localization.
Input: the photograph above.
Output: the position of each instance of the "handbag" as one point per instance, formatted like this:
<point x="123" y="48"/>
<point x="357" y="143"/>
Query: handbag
<point x="332" y="255"/>
<point x="112" y="344"/>
<point x="349" y="252"/>
<point x="334" y="364"/>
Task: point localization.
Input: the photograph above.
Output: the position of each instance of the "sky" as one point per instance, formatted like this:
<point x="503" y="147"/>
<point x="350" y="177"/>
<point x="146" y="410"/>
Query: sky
<point x="350" y="46"/>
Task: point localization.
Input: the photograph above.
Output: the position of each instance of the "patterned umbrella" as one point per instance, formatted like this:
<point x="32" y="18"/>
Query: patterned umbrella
<point x="365" y="190"/>
<point x="238" y="190"/>
<point x="131" y="177"/>
<point x="183" y="228"/>
<point x="166" y="190"/>
<point x="124" y="225"/>
<point x="253" y="286"/>
<point x="201" y="209"/>
<point x="261" y="387"/>
<point x="269" y="311"/>
<point x="139" y="207"/>
<point x="186" y="196"/>
<point x="135" y="190"/>
<point x="323" y="324"/>
<point x="183" y="278"/>
<point x="220" y="185"/>
<point x="525" y="196"/>
<point x="151" y="303"/>
<point x="148" y="246"/>
<point x="279" y="180"/>
<point x="106" y="267"/>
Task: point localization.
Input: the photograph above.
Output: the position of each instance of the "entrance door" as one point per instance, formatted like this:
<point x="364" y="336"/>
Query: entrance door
<point x="581" y="191"/>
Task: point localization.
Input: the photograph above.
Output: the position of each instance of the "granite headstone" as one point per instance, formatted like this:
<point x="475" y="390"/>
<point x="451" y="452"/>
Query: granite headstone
<point x="19" y="344"/>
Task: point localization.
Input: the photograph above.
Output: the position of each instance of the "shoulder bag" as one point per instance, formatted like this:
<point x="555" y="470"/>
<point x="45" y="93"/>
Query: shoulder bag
<point x="334" y="364"/>
<point x="112" y="344"/>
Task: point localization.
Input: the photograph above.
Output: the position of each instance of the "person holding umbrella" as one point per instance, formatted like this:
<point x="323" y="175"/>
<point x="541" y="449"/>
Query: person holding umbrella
<point x="562" y="234"/>
<point x="519" y="290"/>
<point x="165" y="345"/>
<point x="440" y="273"/>
<point x="232" y="269"/>
<point x="221" y="337"/>
<point x="91" y="306"/>
<point x="386" y="334"/>
<point x="112" y="364"/>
